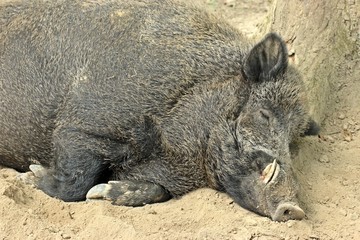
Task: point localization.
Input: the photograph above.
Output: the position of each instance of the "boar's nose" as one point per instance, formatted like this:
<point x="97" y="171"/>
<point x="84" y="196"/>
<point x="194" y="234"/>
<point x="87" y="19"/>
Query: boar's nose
<point x="288" y="211"/>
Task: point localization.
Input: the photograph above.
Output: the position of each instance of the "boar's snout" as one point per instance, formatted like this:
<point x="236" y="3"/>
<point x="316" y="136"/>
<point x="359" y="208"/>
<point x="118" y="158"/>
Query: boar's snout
<point x="288" y="211"/>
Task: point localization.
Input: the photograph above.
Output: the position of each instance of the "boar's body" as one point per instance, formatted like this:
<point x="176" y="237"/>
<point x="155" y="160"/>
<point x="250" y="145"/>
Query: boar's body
<point x="150" y="91"/>
<point x="91" y="74"/>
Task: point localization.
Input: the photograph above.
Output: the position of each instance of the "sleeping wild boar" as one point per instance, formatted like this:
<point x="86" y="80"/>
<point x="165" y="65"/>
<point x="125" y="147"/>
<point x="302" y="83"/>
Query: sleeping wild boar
<point x="140" y="101"/>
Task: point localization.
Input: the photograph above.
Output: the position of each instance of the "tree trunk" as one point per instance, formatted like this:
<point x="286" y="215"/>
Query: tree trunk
<point x="323" y="42"/>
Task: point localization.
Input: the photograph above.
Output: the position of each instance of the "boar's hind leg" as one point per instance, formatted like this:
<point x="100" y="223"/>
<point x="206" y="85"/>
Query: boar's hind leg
<point x="77" y="166"/>
<point x="129" y="193"/>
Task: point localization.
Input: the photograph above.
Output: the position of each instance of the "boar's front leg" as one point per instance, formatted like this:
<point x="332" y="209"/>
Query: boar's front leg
<point x="129" y="193"/>
<point x="76" y="167"/>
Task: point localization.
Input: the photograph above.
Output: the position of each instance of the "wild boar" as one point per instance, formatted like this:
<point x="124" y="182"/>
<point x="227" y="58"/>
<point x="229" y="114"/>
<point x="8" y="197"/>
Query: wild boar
<point x="157" y="97"/>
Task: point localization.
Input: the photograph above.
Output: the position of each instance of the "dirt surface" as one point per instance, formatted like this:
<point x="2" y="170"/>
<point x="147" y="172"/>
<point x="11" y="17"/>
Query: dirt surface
<point x="328" y="169"/>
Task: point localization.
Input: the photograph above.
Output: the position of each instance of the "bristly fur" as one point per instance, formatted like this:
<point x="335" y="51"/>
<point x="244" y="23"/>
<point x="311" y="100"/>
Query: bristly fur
<point x="145" y="90"/>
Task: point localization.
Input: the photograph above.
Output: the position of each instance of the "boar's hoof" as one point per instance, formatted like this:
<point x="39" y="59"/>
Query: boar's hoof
<point x="36" y="171"/>
<point x="288" y="211"/>
<point x="129" y="193"/>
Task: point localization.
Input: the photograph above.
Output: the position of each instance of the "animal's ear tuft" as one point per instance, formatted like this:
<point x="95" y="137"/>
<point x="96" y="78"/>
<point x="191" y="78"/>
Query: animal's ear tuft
<point x="312" y="129"/>
<point x="267" y="59"/>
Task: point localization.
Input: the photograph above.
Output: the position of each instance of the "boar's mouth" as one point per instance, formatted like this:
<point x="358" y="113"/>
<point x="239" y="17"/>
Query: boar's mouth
<point x="285" y="210"/>
<point x="270" y="192"/>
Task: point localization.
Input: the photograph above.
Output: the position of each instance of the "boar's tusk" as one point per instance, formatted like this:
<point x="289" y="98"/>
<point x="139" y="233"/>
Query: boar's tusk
<point x="277" y="170"/>
<point x="270" y="172"/>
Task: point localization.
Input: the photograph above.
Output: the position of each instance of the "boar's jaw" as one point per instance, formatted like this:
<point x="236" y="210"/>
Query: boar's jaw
<point x="280" y="197"/>
<point x="271" y="193"/>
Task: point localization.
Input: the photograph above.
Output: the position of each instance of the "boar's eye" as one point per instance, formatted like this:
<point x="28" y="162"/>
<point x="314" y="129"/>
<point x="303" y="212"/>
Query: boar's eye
<point x="265" y="116"/>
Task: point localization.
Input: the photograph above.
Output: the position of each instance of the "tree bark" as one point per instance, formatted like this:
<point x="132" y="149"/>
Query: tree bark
<point x="323" y="42"/>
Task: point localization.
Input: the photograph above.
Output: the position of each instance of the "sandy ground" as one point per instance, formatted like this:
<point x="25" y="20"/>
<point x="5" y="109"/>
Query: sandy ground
<point x="328" y="171"/>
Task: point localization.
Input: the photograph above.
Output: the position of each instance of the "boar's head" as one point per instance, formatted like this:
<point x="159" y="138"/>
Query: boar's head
<point x="255" y="166"/>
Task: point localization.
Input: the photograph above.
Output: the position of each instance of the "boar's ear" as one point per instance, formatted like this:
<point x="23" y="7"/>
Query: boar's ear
<point x="266" y="59"/>
<point x="312" y="129"/>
